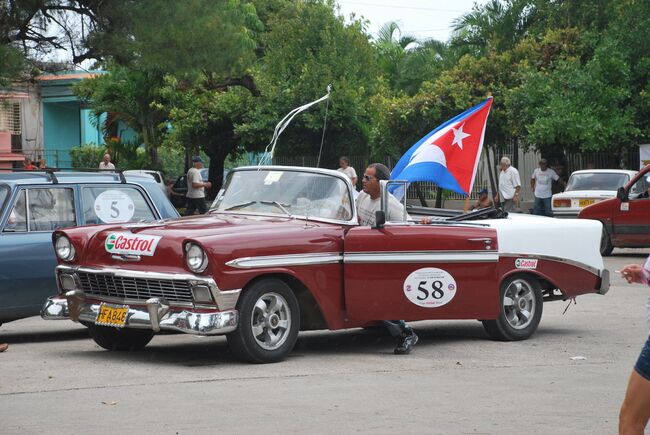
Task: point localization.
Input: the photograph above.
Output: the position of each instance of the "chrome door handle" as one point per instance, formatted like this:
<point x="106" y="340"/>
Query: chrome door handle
<point x="486" y="240"/>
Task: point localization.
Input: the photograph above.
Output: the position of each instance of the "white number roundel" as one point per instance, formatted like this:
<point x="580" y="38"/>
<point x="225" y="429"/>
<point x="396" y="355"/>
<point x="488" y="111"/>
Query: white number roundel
<point x="430" y="287"/>
<point x="113" y="206"/>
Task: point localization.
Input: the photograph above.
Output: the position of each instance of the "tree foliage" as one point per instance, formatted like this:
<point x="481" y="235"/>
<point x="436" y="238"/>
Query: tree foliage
<point x="217" y="76"/>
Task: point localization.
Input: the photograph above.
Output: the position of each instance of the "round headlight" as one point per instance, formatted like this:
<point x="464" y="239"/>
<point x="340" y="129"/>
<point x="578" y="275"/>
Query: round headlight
<point x="196" y="259"/>
<point x="64" y="249"/>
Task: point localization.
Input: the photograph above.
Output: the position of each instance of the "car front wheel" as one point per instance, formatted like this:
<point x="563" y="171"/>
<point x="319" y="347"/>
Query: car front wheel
<point x="269" y="321"/>
<point x="120" y="339"/>
<point x="520" y="311"/>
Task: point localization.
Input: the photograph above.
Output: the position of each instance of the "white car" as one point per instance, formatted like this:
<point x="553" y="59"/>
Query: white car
<point x="156" y="175"/>
<point x="587" y="187"/>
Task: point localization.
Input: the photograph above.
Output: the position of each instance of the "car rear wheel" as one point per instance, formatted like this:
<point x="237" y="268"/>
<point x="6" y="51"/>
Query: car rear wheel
<point x="520" y="312"/>
<point x="606" y="246"/>
<point x="269" y="321"/>
<point x="120" y="339"/>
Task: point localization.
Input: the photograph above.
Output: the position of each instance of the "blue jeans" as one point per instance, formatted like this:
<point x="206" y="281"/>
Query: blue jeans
<point x="542" y="207"/>
<point x="642" y="365"/>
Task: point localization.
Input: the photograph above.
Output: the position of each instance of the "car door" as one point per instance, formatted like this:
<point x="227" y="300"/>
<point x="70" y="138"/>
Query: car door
<point x="631" y="223"/>
<point x="27" y="258"/>
<point x="416" y="272"/>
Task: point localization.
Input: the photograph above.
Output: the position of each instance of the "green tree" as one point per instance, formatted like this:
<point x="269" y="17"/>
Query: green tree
<point x="306" y="48"/>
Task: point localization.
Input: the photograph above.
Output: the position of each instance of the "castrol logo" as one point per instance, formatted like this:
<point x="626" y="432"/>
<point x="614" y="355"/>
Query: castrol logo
<point x="132" y="244"/>
<point x="526" y="263"/>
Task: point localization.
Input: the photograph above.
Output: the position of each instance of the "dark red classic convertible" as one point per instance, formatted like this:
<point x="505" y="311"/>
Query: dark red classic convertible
<point x="281" y="251"/>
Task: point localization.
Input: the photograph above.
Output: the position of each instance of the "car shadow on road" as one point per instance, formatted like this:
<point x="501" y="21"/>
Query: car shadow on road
<point x="185" y="351"/>
<point x="42" y="337"/>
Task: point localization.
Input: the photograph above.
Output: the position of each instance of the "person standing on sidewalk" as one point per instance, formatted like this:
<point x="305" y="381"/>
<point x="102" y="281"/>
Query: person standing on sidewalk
<point x="541" y="183"/>
<point x="106" y="162"/>
<point x="196" y="188"/>
<point x="635" y="410"/>
<point x="348" y="170"/>
<point x="509" y="186"/>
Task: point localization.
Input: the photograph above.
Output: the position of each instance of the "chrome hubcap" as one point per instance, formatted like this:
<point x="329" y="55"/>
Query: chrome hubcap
<point x="271" y="321"/>
<point x="519" y="304"/>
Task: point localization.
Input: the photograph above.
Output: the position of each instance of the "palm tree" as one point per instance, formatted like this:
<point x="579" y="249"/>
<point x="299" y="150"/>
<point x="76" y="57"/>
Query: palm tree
<point x="393" y="48"/>
<point x="497" y="25"/>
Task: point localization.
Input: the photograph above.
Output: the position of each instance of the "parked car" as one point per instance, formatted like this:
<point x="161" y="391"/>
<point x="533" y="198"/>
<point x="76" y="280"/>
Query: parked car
<point x="34" y="204"/>
<point x="156" y="175"/>
<point x="282" y="251"/>
<point x="626" y="218"/>
<point x="180" y="188"/>
<point x="588" y="187"/>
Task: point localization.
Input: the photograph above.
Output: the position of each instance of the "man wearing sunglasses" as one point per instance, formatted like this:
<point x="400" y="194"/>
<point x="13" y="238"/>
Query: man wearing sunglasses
<point x="368" y="202"/>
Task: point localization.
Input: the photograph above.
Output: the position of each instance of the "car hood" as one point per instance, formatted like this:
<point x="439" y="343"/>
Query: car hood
<point x="219" y="234"/>
<point x="585" y="194"/>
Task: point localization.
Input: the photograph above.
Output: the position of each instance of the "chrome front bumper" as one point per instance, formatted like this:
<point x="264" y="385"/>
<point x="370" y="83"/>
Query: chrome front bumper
<point x="156" y="316"/>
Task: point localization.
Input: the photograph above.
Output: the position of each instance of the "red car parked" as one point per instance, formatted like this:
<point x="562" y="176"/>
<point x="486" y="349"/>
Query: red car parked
<point x="282" y="251"/>
<point x="626" y="218"/>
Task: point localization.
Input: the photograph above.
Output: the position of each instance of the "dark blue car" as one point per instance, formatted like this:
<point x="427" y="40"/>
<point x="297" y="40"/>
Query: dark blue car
<point x="33" y="204"/>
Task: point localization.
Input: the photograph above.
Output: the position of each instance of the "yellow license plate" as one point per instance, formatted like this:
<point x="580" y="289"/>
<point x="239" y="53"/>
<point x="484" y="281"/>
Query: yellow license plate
<point x="585" y="202"/>
<point x="112" y="315"/>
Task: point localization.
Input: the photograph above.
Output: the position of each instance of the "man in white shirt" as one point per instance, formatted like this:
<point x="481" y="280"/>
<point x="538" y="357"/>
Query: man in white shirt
<point x="541" y="183"/>
<point x="509" y="186"/>
<point x="106" y="162"/>
<point x="348" y="170"/>
<point x="368" y="202"/>
<point x="196" y="188"/>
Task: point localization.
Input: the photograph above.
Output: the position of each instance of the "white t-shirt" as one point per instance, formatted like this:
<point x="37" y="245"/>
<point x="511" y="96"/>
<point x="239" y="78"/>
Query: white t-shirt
<point x="366" y="208"/>
<point x="508" y="181"/>
<point x="194" y="176"/>
<point x="108" y="165"/>
<point x="544" y="182"/>
<point x="349" y="171"/>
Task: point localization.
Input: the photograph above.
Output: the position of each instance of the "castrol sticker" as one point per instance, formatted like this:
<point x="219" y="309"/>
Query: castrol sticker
<point x="430" y="287"/>
<point x="526" y="263"/>
<point x="131" y="244"/>
<point x="112" y="206"/>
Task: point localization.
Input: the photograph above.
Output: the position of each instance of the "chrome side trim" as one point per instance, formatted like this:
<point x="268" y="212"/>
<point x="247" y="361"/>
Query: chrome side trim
<point x="285" y="260"/>
<point x="422" y="257"/>
<point x="583" y="266"/>
<point x="189" y="322"/>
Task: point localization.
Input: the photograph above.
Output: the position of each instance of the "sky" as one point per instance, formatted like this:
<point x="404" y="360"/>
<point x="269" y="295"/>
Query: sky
<point x="422" y="19"/>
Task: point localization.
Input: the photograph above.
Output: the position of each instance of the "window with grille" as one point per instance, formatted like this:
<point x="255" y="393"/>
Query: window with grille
<point x="10" y="117"/>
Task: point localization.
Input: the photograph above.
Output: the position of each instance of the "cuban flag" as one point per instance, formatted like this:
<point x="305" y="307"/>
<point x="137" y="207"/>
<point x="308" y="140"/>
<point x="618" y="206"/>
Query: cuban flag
<point x="448" y="155"/>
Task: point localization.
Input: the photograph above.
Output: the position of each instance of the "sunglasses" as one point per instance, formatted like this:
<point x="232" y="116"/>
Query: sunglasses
<point x="369" y="177"/>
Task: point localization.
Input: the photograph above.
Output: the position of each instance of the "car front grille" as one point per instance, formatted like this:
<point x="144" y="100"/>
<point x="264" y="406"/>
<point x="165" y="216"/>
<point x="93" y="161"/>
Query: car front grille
<point x="102" y="284"/>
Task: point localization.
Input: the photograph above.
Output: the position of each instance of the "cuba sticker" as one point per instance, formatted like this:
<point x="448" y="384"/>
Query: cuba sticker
<point x="430" y="287"/>
<point x="113" y="206"/>
<point x="526" y="263"/>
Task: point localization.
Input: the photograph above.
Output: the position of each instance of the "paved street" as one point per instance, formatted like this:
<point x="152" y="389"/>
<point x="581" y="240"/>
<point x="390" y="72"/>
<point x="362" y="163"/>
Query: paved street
<point x="54" y="379"/>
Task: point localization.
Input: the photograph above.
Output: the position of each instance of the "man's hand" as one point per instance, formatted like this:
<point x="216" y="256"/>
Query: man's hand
<point x="207" y="184"/>
<point x="634" y="273"/>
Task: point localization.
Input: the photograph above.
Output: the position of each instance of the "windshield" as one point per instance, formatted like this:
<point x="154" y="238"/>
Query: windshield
<point x="288" y="193"/>
<point x="597" y="181"/>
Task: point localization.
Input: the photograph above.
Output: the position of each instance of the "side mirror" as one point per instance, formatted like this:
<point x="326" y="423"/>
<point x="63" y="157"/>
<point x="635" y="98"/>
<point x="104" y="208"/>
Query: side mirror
<point x="621" y="194"/>
<point x="380" y="219"/>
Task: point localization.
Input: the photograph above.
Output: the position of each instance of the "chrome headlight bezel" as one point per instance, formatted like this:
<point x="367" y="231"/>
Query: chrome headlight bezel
<point x="195" y="257"/>
<point x="64" y="248"/>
